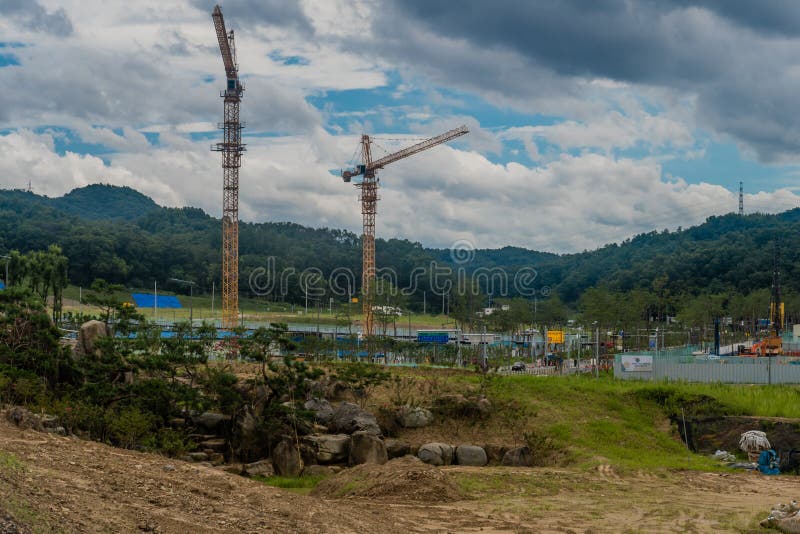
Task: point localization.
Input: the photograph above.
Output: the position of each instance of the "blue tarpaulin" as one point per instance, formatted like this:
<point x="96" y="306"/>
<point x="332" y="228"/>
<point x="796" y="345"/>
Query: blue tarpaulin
<point x="145" y="300"/>
<point x="2" y="285"/>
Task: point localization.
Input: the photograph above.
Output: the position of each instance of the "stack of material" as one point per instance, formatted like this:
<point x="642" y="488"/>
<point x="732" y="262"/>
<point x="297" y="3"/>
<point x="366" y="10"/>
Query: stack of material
<point x="753" y="442"/>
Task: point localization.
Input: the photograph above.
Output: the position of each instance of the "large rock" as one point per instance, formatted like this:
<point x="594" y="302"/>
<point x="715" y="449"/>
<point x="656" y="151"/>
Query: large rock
<point x="88" y="336"/>
<point x="495" y="453"/>
<point x="23" y="418"/>
<point x="317" y="471"/>
<point x="396" y="448"/>
<point x="329" y="448"/>
<point x="436" y="454"/>
<point x="286" y="459"/>
<point x="366" y="448"/>
<point x="330" y="388"/>
<point x="414" y="417"/>
<point x="471" y="455"/>
<point x="211" y="421"/>
<point x="349" y="418"/>
<point x="519" y="457"/>
<point x="262" y="468"/>
<point x="323" y="411"/>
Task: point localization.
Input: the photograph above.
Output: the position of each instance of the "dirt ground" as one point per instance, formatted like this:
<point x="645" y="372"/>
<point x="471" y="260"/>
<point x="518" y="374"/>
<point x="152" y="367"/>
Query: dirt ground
<point x="50" y="483"/>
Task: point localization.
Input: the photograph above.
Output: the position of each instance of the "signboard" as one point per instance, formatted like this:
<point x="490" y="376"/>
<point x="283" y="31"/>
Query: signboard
<point x="354" y="299"/>
<point x="634" y="364"/>
<point x="429" y="336"/>
<point x="555" y="336"/>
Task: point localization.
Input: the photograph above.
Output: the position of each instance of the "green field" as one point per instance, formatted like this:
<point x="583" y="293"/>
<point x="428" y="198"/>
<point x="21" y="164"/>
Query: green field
<point x="254" y="310"/>
<point x="585" y="421"/>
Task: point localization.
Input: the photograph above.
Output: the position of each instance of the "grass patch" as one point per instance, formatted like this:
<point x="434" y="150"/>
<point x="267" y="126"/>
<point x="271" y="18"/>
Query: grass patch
<point x="9" y="462"/>
<point x="301" y="485"/>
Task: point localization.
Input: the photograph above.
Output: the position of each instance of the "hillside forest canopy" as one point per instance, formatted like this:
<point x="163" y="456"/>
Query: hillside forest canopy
<point x="721" y="268"/>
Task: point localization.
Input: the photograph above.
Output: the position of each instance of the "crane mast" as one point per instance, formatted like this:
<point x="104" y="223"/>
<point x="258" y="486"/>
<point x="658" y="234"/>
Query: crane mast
<point x="369" y="208"/>
<point x="231" y="148"/>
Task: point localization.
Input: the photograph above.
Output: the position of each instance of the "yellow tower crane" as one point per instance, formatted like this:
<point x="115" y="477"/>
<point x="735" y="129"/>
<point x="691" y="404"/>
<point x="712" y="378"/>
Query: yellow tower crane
<point x="231" y="148"/>
<point x="369" y="205"/>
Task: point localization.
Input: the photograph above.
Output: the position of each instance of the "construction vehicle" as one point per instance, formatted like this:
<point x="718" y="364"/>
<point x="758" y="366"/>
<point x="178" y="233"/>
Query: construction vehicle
<point x="772" y="344"/>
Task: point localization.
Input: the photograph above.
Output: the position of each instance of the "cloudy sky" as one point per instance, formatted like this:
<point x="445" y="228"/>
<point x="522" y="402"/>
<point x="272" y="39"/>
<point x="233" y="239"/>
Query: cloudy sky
<point x="590" y="121"/>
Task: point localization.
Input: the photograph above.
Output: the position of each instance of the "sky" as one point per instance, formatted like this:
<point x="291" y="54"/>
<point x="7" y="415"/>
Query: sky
<point x="590" y="121"/>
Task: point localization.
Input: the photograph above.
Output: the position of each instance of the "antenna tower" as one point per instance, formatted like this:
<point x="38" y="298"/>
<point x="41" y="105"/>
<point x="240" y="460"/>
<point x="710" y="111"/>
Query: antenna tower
<point x="741" y="198"/>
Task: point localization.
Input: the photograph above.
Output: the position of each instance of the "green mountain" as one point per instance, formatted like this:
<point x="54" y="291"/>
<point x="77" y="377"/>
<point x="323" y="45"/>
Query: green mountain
<point x="123" y="236"/>
<point x="102" y="201"/>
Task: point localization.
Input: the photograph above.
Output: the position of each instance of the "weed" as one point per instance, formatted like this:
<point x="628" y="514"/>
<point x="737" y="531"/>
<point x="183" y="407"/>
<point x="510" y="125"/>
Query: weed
<point x="301" y="485"/>
<point x="9" y="462"/>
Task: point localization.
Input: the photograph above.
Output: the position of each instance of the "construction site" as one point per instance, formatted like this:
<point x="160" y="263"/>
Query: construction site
<point x="160" y="373"/>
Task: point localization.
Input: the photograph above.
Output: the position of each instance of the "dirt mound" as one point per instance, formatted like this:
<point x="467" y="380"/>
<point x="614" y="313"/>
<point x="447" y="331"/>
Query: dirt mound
<point x="406" y="479"/>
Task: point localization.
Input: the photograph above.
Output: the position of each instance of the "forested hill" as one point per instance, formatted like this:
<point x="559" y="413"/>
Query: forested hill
<point x="121" y="235"/>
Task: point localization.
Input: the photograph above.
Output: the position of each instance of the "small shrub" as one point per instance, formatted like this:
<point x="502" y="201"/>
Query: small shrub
<point x="362" y="378"/>
<point x="675" y="402"/>
<point x="542" y="446"/>
<point x="128" y="427"/>
<point x="401" y="391"/>
<point x="169" y="442"/>
<point x="79" y="417"/>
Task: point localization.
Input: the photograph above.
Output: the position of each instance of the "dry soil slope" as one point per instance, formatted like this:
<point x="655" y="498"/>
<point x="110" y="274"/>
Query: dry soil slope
<point x="55" y="483"/>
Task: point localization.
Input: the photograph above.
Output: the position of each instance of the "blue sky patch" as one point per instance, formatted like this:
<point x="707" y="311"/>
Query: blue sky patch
<point x="288" y="60"/>
<point x="9" y="60"/>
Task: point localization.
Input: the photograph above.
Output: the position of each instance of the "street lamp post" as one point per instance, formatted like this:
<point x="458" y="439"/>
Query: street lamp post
<point x="191" y="298"/>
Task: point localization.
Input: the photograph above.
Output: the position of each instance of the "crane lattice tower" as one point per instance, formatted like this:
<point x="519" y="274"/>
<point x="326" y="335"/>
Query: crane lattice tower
<point x="369" y="209"/>
<point x="231" y="148"/>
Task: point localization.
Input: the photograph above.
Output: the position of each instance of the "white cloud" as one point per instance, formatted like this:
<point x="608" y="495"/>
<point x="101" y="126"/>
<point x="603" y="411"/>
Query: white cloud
<point x="436" y="197"/>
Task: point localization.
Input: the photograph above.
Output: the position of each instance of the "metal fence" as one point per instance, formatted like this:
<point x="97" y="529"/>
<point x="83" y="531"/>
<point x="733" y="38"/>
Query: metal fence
<point x="685" y="366"/>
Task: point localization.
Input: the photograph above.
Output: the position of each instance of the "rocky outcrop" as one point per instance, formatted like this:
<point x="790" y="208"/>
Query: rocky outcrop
<point x="436" y="454"/>
<point x="323" y="411"/>
<point x="349" y="418"/>
<point x="471" y="455"/>
<point x="366" y="448"/>
<point x="25" y="419"/>
<point x="396" y="448"/>
<point x="88" y="336"/>
<point x="211" y="421"/>
<point x="262" y="468"/>
<point x="317" y="471"/>
<point x="328" y="448"/>
<point x="286" y="459"/>
<point x="414" y="417"/>
<point x="495" y="453"/>
<point x="519" y="457"/>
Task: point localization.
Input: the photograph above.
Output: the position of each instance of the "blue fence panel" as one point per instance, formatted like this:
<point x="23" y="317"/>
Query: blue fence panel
<point x="147" y="300"/>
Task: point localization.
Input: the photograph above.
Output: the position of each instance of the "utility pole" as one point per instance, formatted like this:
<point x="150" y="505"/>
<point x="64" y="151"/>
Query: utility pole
<point x="191" y="298"/>
<point x="597" y="352"/>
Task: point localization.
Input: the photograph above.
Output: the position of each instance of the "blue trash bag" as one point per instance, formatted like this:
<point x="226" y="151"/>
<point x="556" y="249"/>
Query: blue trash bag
<point x="768" y="462"/>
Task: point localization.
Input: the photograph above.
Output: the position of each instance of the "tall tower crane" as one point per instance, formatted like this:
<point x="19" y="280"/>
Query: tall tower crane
<point x="369" y="205"/>
<point x="231" y="148"/>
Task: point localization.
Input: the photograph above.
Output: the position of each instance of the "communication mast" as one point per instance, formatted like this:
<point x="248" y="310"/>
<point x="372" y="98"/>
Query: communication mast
<point x="741" y="198"/>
